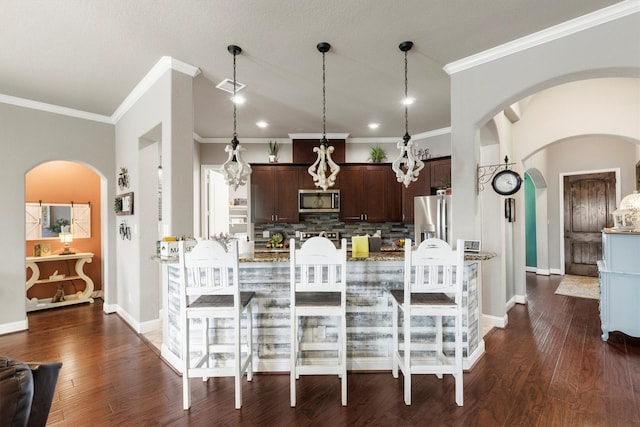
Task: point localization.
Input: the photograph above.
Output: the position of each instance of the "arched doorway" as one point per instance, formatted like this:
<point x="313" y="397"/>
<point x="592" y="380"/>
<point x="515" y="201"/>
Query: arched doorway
<point x="64" y="190"/>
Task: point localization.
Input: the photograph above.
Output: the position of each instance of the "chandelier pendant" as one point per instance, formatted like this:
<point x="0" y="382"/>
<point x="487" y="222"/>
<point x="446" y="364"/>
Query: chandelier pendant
<point x="235" y="170"/>
<point x="407" y="166"/>
<point x="324" y="170"/>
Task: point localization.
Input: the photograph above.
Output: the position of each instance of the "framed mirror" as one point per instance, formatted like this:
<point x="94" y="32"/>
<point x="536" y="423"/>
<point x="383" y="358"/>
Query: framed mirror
<point x="48" y="220"/>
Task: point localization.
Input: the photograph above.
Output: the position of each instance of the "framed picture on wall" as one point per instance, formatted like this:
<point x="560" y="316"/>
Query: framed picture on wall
<point x="638" y="177"/>
<point x="124" y="204"/>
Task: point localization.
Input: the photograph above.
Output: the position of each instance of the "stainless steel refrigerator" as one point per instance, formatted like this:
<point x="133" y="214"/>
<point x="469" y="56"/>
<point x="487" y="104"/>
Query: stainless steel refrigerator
<point x="432" y="217"/>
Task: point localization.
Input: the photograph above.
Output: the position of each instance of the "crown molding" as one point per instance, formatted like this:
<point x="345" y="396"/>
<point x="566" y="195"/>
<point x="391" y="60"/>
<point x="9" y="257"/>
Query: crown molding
<point x="556" y="32"/>
<point x="395" y="139"/>
<point x="318" y="136"/>
<point x="56" y="109"/>
<point x="243" y="141"/>
<point x="165" y="64"/>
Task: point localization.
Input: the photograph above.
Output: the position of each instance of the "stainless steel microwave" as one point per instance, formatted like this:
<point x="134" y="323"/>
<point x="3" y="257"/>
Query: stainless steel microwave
<point x="318" y="201"/>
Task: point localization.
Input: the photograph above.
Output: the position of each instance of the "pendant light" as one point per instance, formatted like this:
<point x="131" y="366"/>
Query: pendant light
<point x="324" y="163"/>
<point x="407" y="166"/>
<point x="235" y="170"/>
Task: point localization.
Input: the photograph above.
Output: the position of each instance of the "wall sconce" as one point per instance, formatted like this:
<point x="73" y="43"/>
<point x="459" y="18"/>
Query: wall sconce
<point x="66" y="239"/>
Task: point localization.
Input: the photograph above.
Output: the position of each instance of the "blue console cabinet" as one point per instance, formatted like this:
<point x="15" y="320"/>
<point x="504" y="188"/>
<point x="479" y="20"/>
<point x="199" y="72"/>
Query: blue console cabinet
<point x="619" y="272"/>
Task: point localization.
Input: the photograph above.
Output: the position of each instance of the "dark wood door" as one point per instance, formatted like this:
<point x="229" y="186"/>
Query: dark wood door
<point x="589" y="201"/>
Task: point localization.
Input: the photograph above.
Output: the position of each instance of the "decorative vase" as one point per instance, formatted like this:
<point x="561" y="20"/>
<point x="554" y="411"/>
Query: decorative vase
<point x="273" y="158"/>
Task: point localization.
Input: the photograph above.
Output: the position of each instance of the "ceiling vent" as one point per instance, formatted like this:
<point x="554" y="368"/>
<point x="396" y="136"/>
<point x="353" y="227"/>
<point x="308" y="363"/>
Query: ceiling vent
<point x="227" y="86"/>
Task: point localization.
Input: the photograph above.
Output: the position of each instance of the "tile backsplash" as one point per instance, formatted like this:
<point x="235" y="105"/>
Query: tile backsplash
<point x="331" y="222"/>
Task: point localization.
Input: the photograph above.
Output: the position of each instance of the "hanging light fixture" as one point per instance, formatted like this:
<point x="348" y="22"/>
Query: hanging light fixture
<point x="324" y="163"/>
<point x="407" y="166"/>
<point x="235" y="170"/>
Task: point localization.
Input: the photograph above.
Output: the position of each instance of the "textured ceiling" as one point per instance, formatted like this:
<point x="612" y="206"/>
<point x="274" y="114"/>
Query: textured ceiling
<point x="89" y="55"/>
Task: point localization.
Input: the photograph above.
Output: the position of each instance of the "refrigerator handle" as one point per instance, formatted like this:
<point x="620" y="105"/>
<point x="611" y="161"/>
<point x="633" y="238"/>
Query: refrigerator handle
<point x="439" y="218"/>
<point x="443" y="223"/>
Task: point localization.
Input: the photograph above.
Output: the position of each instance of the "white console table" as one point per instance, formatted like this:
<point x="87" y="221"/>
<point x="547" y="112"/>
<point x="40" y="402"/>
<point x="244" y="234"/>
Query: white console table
<point x="79" y="297"/>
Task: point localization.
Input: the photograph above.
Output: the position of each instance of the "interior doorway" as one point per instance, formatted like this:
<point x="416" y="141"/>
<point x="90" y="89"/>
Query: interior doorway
<point x="66" y="185"/>
<point x="589" y="201"/>
<point x="224" y="209"/>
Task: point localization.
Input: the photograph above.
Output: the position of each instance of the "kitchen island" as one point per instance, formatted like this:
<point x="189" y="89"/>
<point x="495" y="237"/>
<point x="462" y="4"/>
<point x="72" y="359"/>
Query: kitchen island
<point x="369" y="310"/>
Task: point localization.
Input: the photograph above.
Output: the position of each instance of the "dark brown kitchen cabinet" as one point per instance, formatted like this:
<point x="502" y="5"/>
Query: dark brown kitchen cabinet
<point x="440" y="173"/>
<point x="274" y="194"/>
<point x="369" y="193"/>
<point x="421" y="187"/>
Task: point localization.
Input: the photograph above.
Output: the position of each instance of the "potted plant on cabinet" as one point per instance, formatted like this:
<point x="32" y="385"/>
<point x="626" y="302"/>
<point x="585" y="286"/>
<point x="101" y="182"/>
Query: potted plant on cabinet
<point x="273" y="151"/>
<point x="377" y="154"/>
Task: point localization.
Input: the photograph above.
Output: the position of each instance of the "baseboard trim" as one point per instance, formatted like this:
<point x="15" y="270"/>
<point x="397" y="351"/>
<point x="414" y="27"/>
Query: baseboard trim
<point x="495" y="321"/>
<point x="542" y="272"/>
<point x="520" y="299"/>
<point x="556" y="271"/>
<point x="9" y="328"/>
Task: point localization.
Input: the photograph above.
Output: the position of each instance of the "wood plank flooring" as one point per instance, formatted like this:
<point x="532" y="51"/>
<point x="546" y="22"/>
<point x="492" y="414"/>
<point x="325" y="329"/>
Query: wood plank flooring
<point x="548" y="367"/>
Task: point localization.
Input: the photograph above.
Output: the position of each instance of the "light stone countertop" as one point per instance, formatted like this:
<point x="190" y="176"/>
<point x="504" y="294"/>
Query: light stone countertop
<point x="282" y="255"/>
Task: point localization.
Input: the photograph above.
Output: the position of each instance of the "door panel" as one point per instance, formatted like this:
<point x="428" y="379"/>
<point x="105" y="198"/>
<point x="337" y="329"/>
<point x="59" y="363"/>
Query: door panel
<point x="589" y="201"/>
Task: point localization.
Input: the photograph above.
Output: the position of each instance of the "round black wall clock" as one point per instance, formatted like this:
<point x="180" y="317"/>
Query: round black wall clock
<point x="506" y="182"/>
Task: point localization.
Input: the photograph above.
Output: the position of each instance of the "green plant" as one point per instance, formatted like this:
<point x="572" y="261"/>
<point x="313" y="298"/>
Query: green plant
<point x="273" y="148"/>
<point x="377" y="154"/>
<point x="117" y="205"/>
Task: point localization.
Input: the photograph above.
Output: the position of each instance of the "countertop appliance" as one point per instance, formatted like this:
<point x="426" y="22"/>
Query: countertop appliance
<point x="432" y="217"/>
<point x="334" y="236"/>
<point x="310" y="201"/>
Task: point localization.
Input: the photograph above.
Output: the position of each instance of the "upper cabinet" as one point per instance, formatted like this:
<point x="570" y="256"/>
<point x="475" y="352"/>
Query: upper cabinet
<point x="47" y="220"/>
<point x="440" y="173"/>
<point x="274" y="193"/>
<point x="369" y="193"/>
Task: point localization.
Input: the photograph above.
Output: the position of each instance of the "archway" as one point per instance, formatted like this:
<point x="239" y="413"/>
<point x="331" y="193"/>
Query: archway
<point x="74" y="190"/>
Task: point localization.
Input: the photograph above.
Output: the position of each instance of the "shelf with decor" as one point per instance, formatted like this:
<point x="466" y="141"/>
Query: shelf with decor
<point x="79" y="297"/>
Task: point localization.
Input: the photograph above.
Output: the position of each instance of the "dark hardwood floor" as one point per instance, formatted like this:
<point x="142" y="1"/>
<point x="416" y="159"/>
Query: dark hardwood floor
<point x="548" y="367"/>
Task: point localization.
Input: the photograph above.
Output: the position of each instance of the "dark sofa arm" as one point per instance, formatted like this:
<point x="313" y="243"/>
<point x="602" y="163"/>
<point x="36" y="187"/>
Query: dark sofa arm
<point x="16" y="392"/>
<point x="45" y="377"/>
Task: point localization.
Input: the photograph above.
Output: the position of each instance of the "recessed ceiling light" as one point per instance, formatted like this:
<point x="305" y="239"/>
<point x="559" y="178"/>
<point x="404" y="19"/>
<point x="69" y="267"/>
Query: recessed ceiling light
<point x="262" y="124"/>
<point x="374" y="125"/>
<point x="238" y="99"/>
<point x="408" y="101"/>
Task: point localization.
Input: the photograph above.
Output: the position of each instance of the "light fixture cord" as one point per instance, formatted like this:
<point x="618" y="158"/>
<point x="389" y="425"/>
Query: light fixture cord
<point x="324" y="102"/>
<point x="406" y="98"/>
<point x="235" y="134"/>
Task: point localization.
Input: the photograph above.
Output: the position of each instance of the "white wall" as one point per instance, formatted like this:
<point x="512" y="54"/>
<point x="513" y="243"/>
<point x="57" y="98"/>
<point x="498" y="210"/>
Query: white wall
<point x="167" y="105"/>
<point x="439" y="144"/>
<point x="480" y="92"/>
<point x="28" y="138"/>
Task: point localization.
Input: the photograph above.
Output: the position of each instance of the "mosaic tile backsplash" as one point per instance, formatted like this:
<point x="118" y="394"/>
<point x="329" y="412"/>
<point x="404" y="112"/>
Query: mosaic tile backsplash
<point x="331" y="222"/>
